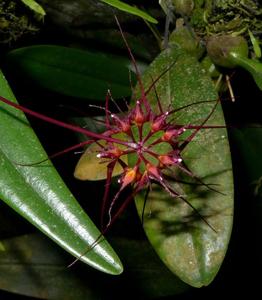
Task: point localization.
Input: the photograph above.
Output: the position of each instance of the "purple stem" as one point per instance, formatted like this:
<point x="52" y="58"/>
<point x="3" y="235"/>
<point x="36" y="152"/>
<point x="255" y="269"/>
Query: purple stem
<point x="63" y="124"/>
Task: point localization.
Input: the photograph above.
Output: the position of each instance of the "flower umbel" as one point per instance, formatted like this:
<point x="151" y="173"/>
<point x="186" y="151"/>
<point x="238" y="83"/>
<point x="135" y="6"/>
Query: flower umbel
<point x="153" y="143"/>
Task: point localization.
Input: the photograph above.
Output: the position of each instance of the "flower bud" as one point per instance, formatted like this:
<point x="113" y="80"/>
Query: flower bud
<point x="113" y="152"/>
<point x="169" y="160"/>
<point x="159" y="122"/>
<point x="124" y="124"/>
<point x="172" y="133"/>
<point x="153" y="171"/>
<point x="138" y="116"/>
<point x="128" y="177"/>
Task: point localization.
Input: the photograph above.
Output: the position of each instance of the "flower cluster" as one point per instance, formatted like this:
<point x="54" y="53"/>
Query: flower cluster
<point x="151" y="140"/>
<point x="153" y="144"/>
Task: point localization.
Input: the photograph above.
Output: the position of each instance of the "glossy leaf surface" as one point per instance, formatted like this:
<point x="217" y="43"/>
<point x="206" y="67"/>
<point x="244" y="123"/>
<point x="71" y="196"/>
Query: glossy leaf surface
<point x="185" y="243"/>
<point x="38" y="193"/>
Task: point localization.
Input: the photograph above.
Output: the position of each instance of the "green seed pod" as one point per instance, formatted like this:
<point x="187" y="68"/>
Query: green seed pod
<point x="220" y="47"/>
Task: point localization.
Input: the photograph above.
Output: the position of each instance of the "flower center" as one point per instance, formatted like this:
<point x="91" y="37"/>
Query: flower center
<point x="148" y="140"/>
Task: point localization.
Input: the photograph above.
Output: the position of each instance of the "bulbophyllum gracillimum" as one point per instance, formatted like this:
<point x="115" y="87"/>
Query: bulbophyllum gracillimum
<point x="153" y="144"/>
<point x="149" y="137"/>
<point x="150" y="143"/>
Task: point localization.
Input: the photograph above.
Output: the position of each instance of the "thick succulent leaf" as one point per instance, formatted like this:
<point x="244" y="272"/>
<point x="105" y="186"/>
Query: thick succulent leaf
<point x="185" y="243"/>
<point x="38" y="193"/>
<point x="32" y="266"/>
<point x="72" y="72"/>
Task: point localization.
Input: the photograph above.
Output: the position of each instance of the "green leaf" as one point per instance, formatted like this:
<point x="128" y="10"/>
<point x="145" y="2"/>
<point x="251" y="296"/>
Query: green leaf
<point x="72" y="72"/>
<point x="37" y="8"/>
<point x="38" y="193"/>
<point x="130" y="9"/>
<point x="32" y="266"/>
<point x="188" y="247"/>
<point x="252" y="66"/>
<point x="90" y="167"/>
